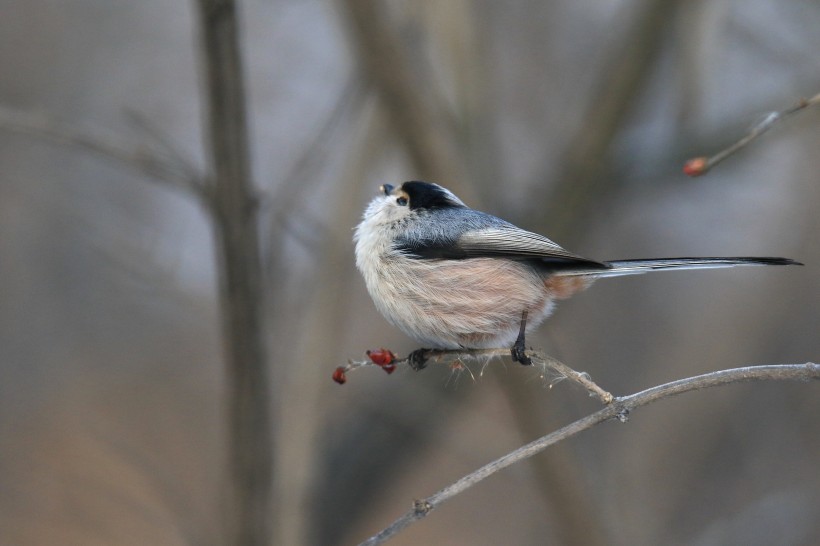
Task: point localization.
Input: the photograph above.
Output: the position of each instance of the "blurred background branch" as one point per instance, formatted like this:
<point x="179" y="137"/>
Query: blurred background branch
<point x="163" y="166"/>
<point x="234" y="209"/>
<point x="407" y="91"/>
<point x="583" y="168"/>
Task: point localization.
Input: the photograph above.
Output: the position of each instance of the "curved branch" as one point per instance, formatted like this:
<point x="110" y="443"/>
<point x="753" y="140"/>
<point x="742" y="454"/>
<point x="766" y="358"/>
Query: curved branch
<point x="619" y="409"/>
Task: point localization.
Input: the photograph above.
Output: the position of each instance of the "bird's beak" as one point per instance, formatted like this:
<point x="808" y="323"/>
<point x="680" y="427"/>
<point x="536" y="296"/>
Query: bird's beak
<point x="386" y="189"/>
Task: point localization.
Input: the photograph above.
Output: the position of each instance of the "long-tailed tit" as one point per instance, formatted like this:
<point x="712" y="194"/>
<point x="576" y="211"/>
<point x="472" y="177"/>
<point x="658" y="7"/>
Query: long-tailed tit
<point x="452" y="277"/>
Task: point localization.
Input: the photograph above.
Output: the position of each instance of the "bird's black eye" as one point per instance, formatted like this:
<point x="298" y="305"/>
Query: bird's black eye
<point x="401" y="201"/>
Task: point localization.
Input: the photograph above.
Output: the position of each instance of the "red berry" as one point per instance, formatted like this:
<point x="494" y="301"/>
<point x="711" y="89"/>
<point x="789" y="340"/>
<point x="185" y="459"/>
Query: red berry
<point x="382" y="357"/>
<point x="389" y="368"/>
<point x="339" y="375"/>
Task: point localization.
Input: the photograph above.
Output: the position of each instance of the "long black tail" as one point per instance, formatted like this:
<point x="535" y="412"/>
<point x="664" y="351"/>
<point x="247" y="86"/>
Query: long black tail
<point x="636" y="267"/>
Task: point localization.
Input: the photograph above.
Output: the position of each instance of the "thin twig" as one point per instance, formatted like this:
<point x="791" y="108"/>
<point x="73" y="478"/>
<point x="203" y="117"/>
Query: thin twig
<point x="169" y="173"/>
<point x="619" y="409"/>
<point x="701" y="165"/>
<point x="458" y="356"/>
<point x="582" y="378"/>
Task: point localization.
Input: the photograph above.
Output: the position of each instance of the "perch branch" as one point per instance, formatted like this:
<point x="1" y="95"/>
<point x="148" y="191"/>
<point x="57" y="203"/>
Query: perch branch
<point x="619" y="409"/>
<point x="456" y="357"/>
<point x="701" y="165"/>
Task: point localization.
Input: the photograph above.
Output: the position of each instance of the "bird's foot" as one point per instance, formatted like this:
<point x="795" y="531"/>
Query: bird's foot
<point x="519" y="350"/>
<point x="418" y="359"/>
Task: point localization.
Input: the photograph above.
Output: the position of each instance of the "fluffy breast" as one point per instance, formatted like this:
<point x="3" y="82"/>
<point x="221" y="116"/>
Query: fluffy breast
<point x="454" y="303"/>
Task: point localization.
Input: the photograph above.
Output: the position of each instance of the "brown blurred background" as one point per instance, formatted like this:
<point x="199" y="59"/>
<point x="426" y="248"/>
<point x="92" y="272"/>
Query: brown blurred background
<point x="570" y="118"/>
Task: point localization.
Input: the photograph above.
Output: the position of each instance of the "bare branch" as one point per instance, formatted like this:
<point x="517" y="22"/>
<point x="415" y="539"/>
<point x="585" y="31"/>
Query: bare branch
<point x="701" y="165"/>
<point x="619" y="409"/>
<point x="166" y="171"/>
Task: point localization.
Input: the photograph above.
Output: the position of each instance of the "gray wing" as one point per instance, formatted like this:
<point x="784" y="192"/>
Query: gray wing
<point x="510" y="242"/>
<point x="517" y="244"/>
<point x="465" y="234"/>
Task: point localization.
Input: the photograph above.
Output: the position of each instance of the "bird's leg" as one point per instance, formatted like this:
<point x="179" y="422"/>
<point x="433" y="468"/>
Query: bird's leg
<point x="418" y="359"/>
<point x="518" y="350"/>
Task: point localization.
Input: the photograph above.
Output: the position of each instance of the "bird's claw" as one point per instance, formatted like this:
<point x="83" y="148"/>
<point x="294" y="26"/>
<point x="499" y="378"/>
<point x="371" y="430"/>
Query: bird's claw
<point x="418" y="359"/>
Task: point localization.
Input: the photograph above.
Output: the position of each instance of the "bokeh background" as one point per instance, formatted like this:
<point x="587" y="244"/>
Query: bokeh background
<point x="570" y="118"/>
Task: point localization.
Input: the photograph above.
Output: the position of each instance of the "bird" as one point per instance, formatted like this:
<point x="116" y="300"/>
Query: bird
<point x="452" y="277"/>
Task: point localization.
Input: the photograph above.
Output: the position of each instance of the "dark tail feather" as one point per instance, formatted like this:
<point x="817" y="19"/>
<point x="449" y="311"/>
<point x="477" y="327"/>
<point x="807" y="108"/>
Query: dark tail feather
<point x="636" y="267"/>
